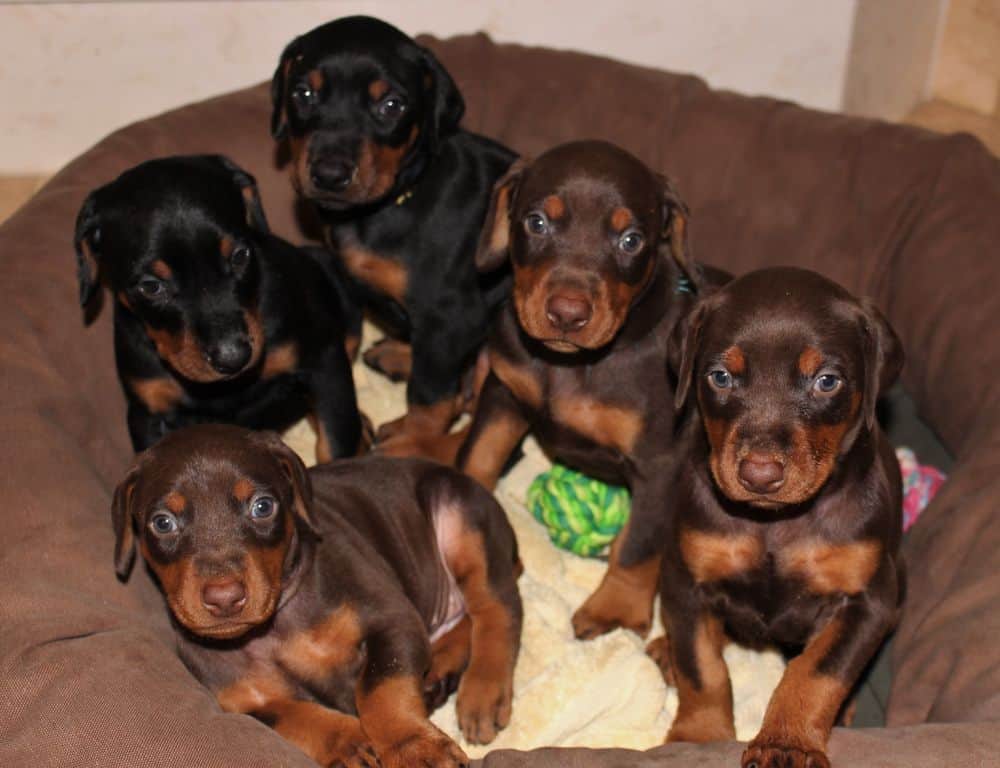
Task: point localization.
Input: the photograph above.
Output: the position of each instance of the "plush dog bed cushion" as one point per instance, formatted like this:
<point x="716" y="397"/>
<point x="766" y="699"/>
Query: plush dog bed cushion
<point x="87" y="676"/>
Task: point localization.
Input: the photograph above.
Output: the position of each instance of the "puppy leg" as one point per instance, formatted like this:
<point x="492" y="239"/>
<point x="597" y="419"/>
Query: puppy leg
<point x="498" y="426"/>
<point x="338" y="423"/>
<point x="449" y="658"/>
<point x="391" y="702"/>
<point x="479" y="549"/>
<point x="329" y="737"/>
<point x="803" y="709"/>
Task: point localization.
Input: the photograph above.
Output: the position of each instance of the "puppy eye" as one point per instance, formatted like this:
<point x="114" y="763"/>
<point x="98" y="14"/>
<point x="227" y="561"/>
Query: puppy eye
<point x="263" y="508"/>
<point x="631" y="242"/>
<point x="163" y="523"/>
<point x="391" y="107"/>
<point x="536" y="224"/>
<point x="150" y="287"/>
<point x="827" y="383"/>
<point x="240" y="257"/>
<point x="720" y="379"/>
<point x="303" y="96"/>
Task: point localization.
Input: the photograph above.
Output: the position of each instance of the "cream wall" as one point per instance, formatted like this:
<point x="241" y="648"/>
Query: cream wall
<point x="72" y="72"/>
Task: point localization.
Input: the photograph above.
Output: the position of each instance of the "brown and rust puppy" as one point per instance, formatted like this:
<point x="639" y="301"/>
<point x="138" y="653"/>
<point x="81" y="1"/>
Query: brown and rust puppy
<point x="601" y="275"/>
<point x="788" y="507"/>
<point x="372" y="125"/>
<point x="333" y="604"/>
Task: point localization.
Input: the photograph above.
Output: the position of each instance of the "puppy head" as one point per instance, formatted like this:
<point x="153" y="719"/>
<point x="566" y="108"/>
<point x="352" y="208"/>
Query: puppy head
<point x="218" y="512"/>
<point x="363" y="107"/>
<point x="586" y="226"/>
<point x="176" y="241"/>
<point x="786" y="367"/>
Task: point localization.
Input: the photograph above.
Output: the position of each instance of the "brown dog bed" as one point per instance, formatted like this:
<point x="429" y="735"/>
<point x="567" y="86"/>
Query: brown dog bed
<point x="87" y="670"/>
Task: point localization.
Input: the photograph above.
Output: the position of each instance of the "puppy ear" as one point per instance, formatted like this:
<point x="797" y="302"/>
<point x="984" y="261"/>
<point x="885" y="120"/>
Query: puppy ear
<point x="883" y="357"/>
<point x="674" y="233"/>
<point x="295" y="472"/>
<point x="684" y="342"/>
<point x="251" y="197"/>
<point x="447" y="103"/>
<point x="494" y="238"/>
<point x="86" y="242"/>
<point x="122" y="520"/>
<point x="279" y="90"/>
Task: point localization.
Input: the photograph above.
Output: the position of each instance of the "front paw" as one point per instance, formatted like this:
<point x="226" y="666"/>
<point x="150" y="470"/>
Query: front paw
<point x="483" y="707"/>
<point x="350" y="750"/>
<point x="430" y="749"/>
<point x="658" y="649"/>
<point x="598" y="616"/>
<point x="771" y="755"/>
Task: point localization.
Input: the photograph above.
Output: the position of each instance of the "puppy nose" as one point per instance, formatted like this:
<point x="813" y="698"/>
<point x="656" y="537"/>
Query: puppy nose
<point x="567" y="313"/>
<point x="230" y="355"/>
<point x="224" y="598"/>
<point x="761" y="474"/>
<point x="332" y="174"/>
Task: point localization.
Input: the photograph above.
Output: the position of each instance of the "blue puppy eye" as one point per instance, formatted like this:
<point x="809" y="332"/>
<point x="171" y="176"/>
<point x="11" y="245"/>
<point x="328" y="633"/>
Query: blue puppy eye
<point x="720" y="379"/>
<point x="391" y="107"/>
<point x="163" y="523"/>
<point x="827" y="383"/>
<point x="263" y="507"/>
<point x="536" y="224"/>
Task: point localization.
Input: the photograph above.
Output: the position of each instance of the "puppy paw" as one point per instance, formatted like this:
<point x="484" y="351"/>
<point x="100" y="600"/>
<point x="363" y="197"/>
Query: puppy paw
<point x="391" y="358"/>
<point x="658" y="649"/>
<point x="350" y="749"/>
<point x="598" y="616"/>
<point x="483" y="707"/>
<point x="771" y="755"/>
<point x="429" y="749"/>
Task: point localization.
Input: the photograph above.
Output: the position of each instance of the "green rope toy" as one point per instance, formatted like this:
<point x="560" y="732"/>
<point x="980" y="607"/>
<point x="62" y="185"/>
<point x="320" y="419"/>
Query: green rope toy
<point x="581" y="514"/>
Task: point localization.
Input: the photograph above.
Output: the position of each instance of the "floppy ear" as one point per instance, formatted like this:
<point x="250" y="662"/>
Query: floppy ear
<point x="448" y="104"/>
<point x="295" y="472"/>
<point x="494" y="238"/>
<point x="684" y="342"/>
<point x="251" y="197"/>
<point x="883" y="357"/>
<point x="674" y="234"/>
<point x="279" y="90"/>
<point x="122" y="520"/>
<point x="86" y="241"/>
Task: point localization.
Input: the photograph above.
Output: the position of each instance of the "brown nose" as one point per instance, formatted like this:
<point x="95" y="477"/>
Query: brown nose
<point x="761" y="474"/>
<point x="567" y="313"/>
<point x="224" y="598"/>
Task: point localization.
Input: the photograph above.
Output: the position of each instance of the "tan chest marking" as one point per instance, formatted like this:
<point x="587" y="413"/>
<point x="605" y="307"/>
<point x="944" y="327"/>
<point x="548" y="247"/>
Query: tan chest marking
<point x="384" y="275"/>
<point x="613" y="426"/>
<point x="282" y="358"/>
<point x="253" y="692"/>
<point x="158" y="395"/>
<point x="832" y="568"/>
<point x="313" y="653"/>
<point x="715" y="557"/>
<point x="520" y="380"/>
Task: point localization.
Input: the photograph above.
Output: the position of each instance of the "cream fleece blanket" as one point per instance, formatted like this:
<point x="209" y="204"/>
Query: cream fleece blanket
<point x="601" y="693"/>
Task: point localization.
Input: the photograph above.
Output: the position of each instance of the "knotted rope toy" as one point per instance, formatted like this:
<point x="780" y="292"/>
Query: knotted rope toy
<point x="580" y="514"/>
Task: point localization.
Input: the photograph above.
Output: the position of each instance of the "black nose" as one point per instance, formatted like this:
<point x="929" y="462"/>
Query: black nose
<point x="567" y="313"/>
<point x="761" y="474"/>
<point x="230" y="355"/>
<point x="224" y="598"/>
<point x="332" y="174"/>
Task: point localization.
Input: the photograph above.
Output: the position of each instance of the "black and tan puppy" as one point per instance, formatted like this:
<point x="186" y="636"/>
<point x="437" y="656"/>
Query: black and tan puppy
<point x="788" y="507"/>
<point x="330" y="603"/>
<point x="216" y="319"/>
<point x="372" y="122"/>
<point x="601" y="275"/>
